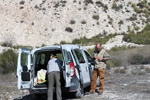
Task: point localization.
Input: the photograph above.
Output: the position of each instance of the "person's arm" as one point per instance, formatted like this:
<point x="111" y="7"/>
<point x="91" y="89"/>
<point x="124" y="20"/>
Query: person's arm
<point x="59" y="64"/>
<point x="47" y="66"/>
<point x="95" y="55"/>
<point x="106" y="56"/>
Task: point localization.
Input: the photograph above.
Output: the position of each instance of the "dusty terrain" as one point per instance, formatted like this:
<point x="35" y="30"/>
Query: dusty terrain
<point x="121" y="83"/>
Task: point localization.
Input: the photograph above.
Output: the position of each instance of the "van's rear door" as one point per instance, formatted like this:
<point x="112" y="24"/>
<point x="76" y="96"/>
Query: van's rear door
<point x="24" y="68"/>
<point x="66" y="69"/>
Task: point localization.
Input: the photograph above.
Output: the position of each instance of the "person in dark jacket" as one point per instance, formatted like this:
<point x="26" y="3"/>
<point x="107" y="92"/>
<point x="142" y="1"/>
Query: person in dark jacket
<point x="54" y="68"/>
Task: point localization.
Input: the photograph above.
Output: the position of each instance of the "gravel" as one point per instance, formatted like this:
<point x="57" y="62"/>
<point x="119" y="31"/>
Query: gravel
<point x="118" y="86"/>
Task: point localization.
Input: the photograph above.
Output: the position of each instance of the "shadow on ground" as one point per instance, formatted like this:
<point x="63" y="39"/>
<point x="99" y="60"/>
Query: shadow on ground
<point x="65" y="96"/>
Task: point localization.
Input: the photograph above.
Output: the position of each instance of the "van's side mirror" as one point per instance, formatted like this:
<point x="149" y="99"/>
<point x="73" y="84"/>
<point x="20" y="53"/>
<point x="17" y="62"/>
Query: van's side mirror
<point x="91" y="60"/>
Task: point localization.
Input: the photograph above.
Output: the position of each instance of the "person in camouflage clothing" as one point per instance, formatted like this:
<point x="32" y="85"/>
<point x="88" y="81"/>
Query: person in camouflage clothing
<point x="100" y="57"/>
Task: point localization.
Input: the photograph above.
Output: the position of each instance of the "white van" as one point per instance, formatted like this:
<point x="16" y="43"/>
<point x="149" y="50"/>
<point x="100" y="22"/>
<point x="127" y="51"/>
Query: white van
<point x="76" y="68"/>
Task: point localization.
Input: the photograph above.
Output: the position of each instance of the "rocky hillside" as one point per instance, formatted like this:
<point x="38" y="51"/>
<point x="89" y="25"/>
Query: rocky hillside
<point x="37" y="22"/>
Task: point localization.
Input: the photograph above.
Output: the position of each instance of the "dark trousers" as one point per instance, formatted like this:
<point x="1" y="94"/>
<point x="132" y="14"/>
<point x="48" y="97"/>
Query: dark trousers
<point x="101" y="74"/>
<point x="54" y="77"/>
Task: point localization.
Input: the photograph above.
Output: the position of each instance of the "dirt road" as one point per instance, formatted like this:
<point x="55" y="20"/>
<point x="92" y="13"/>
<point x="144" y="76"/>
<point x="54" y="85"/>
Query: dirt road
<point x="133" y="84"/>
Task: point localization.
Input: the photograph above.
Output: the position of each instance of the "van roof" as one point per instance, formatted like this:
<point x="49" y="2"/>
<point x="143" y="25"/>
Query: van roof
<point x="57" y="47"/>
<point x="62" y="45"/>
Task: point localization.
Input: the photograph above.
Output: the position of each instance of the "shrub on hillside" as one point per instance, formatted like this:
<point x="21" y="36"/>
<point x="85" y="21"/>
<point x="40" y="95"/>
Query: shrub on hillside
<point x="96" y="17"/>
<point x="98" y="38"/>
<point x="6" y="44"/>
<point x="88" y="2"/>
<point x="64" y="42"/>
<point x="121" y="48"/>
<point x="72" y="22"/>
<point x="8" y="61"/>
<point x="136" y="59"/>
<point x="69" y="29"/>
<point x="116" y="62"/>
<point x="109" y="65"/>
<point x="138" y="37"/>
<point x="147" y="70"/>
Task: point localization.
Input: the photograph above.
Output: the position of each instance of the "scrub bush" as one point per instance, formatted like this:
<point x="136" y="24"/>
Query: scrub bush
<point x="8" y="61"/>
<point x="138" y="37"/>
<point x="136" y="59"/>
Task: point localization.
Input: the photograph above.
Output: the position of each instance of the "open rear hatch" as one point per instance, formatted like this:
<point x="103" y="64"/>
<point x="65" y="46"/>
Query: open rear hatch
<point x="41" y="58"/>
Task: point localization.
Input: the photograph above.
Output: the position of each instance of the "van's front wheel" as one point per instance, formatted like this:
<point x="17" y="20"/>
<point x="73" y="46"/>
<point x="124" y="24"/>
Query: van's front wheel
<point x="80" y="91"/>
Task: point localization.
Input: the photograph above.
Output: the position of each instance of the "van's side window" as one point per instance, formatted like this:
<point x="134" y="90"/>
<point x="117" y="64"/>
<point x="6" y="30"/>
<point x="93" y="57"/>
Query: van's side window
<point x="24" y="59"/>
<point x="79" y="56"/>
<point x="88" y="56"/>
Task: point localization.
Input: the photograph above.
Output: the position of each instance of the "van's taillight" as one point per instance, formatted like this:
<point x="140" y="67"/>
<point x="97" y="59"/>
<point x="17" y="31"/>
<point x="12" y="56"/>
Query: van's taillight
<point x="72" y="67"/>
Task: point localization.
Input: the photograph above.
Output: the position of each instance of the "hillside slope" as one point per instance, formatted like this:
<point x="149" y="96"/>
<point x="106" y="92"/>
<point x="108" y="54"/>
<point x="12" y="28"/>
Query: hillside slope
<point x="37" y="22"/>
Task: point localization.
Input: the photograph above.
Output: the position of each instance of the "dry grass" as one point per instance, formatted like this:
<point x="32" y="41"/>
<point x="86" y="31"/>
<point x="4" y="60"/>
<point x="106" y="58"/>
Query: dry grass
<point x="147" y="70"/>
<point x="8" y="83"/>
<point x="122" y="57"/>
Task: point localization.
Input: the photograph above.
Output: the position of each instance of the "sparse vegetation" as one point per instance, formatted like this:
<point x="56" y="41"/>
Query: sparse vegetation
<point x="147" y="70"/>
<point x="129" y="29"/>
<point x="136" y="59"/>
<point x="110" y="20"/>
<point x="120" y="22"/>
<point x="116" y="7"/>
<point x="69" y="29"/>
<point x="6" y="44"/>
<point x="100" y="4"/>
<point x="22" y="2"/>
<point x="133" y="17"/>
<point x="72" y="22"/>
<point x="19" y="46"/>
<point x="8" y="61"/>
<point x="137" y="28"/>
<point x="93" y="40"/>
<point x="85" y="41"/>
<point x="88" y="2"/>
<point x="138" y="38"/>
<point x="137" y="10"/>
<point x="96" y="17"/>
<point x="64" y="42"/>
<point x="83" y="22"/>
<point x="120" y="48"/>
<point x="126" y="56"/>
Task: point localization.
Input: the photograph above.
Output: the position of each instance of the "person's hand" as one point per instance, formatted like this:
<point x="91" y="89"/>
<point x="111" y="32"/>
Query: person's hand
<point x="96" y="57"/>
<point x="100" y="59"/>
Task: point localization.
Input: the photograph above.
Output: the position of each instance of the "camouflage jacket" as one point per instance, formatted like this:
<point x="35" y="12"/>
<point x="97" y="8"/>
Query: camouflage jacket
<point x="102" y="54"/>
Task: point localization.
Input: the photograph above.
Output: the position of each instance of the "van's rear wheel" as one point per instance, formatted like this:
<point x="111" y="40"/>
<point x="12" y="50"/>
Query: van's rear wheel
<point x="80" y="91"/>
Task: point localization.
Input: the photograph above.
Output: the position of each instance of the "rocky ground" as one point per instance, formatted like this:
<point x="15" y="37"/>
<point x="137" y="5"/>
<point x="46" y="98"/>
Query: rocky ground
<point x="121" y="83"/>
